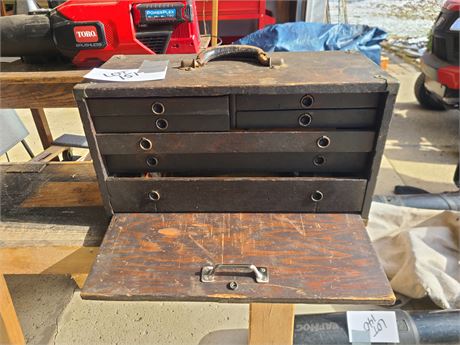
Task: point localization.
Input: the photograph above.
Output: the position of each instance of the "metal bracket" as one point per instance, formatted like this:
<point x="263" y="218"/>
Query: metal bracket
<point x="208" y="272"/>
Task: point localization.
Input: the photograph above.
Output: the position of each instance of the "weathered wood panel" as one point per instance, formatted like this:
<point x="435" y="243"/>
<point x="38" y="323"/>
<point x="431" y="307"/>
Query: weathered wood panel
<point x="310" y="259"/>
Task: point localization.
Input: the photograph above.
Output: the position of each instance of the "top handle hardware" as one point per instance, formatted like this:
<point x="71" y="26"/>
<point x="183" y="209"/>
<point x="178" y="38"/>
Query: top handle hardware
<point x="232" y="51"/>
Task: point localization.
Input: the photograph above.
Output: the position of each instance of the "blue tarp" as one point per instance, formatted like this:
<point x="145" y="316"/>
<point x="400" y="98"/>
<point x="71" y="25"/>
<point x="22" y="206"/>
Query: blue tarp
<point x="301" y="36"/>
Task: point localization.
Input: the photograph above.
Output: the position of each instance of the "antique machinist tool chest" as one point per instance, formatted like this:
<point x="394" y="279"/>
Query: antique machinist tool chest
<point x="232" y="164"/>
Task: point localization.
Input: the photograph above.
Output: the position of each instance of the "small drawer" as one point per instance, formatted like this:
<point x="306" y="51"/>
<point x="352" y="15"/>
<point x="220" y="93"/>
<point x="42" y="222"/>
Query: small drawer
<point x="327" y="118"/>
<point x="158" y="124"/>
<point x="236" y="142"/>
<point x="158" y="106"/>
<point x="312" y="163"/>
<point x="233" y="194"/>
<point x="307" y="101"/>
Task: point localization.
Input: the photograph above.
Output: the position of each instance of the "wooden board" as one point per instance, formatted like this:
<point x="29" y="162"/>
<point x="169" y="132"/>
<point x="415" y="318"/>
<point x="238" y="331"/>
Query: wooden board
<point x="310" y="259"/>
<point x="56" y="205"/>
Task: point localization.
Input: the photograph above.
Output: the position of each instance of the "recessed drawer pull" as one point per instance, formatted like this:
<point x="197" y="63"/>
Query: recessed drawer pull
<point x="305" y="120"/>
<point x="158" y="108"/>
<point x="208" y="273"/>
<point x="145" y="144"/>
<point x="154" y="195"/>
<point x="323" y="142"/>
<point x="307" y="101"/>
<point x="319" y="160"/>
<point x="152" y="161"/>
<point x="161" y="124"/>
<point x="317" y="196"/>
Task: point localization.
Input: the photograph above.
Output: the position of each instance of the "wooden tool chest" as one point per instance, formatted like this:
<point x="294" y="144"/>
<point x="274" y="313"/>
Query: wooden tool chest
<point x="234" y="136"/>
<point x="236" y="166"/>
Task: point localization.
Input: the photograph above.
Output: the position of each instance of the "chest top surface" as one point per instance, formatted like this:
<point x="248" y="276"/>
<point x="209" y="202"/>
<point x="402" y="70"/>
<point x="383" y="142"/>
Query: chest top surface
<point x="302" y="71"/>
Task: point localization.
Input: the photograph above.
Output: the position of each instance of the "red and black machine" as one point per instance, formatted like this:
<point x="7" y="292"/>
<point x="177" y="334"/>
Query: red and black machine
<point x="89" y="32"/>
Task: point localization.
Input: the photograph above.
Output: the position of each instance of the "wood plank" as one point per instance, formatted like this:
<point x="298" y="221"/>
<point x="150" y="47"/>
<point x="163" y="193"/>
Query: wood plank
<point x="8" y="317"/>
<point x="47" y="260"/>
<point x="65" y="194"/>
<point x="43" y="128"/>
<point x="271" y="324"/>
<point x="324" y="258"/>
<point x="26" y="86"/>
<point x="50" y="208"/>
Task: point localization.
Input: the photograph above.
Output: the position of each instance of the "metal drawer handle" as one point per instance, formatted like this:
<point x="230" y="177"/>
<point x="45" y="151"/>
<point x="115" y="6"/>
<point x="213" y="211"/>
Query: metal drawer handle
<point x="158" y="108"/>
<point x="323" y="142"/>
<point x="307" y="101"/>
<point x="260" y="273"/>
<point x="305" y="120"/>
<point x="161" y="124"/>
<point x="317" y="196"/>
<point x="145" y="144"/>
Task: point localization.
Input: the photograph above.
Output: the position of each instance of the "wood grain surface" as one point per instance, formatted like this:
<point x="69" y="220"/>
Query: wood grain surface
<point x="57" y="204"/>
<point x="310" y="259"/>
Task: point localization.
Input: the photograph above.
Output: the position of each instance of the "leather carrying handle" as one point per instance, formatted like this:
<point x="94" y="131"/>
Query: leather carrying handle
<point x="232" y="51"/>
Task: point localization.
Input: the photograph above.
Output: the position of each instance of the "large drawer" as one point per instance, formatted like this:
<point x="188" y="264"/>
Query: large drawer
<point x="307" y="101"/>
<point x="324" y="118"/>
<point x="232" y="194"/>
<point x="159" y="106"/>
<point x="236" y="142"/>
<point x="156" y="124"/>
<point x="314" y="163"/>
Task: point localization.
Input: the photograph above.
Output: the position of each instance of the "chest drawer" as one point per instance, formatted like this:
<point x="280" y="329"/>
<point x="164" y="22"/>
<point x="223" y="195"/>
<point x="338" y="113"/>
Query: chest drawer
<point x="232" y="194"/>
<point x="237" y="142"/>
<point x="307" y="101"/>
<point x="158" y="124"/>
<point x="324" y="118"/>
<point x="159" y="106"/>
<point x="223" y="163"/>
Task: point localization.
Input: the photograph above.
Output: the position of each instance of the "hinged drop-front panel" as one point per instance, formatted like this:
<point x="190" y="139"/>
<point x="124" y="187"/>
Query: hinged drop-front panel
<point x="293" y="258"/>
<point x="234" y="136"/>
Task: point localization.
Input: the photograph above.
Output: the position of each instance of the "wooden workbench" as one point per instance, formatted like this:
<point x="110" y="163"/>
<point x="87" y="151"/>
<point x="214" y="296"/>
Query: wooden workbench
<point x="52" y="222"/>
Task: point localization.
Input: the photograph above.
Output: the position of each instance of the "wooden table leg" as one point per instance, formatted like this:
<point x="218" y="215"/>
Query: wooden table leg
<point x="8" y="317"/>
<point x="43" y="129"/>
<point x="271" y="324"/>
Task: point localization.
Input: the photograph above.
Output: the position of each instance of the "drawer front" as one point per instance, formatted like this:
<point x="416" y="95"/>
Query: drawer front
<point x="314" y="163"/>
<point x="298" y="194"/>
<point x="327" y="118"/>
<point x="162" y="106"/>
<point x="236" y="142"/>
<point x="307" y="101"/>
<point x="155" y="124"/>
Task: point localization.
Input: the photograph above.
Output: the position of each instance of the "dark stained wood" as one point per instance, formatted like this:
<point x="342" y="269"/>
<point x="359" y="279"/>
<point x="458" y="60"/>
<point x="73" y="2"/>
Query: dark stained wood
<point x="313" y="163"/>
<point x="233" y="194"/>
<point x="58" y="204"/>
<point x="304" y="72"/>
<point x="310" y="259"/>
<point x="237" y="142"/>
<point x="320" y="118"/>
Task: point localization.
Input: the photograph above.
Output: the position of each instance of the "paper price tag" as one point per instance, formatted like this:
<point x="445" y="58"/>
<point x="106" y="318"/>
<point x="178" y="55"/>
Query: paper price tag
<point x="381" y="325"/>
<point x="124" y="75"/>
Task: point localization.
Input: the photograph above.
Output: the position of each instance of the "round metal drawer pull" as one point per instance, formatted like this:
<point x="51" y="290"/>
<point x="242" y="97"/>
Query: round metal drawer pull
<point x="161" y="124"/>
<point x="307" y="101"/>
<point x="145" y="144"/>
<point x="317" y="196"/>
<point x="152" y="161"/>
<point x="319" y="160"/>
<point x="158" y="108"/>
<point x="305" y="120"/>
<point x="154" y="195"/>
<point x="323" y="142"/>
